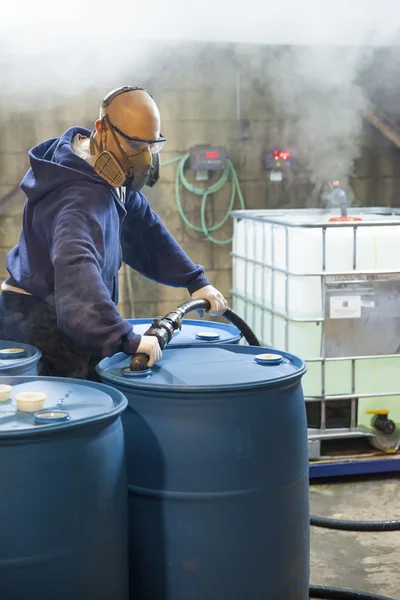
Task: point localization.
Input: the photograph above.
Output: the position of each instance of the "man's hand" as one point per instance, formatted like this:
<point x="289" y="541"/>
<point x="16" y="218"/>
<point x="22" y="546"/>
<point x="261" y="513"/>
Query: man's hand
<point x="149" y="345"/>
<point x="215" y="298"/>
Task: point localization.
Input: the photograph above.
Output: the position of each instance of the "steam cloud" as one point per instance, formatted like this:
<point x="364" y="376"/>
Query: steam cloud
<point x="318" y="91"/>
<point x="54" y="51"/>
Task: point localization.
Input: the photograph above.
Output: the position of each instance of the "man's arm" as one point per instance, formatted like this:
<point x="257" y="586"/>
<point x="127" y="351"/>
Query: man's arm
<point x="85" y="310"/>
<point x="149" y="248"/>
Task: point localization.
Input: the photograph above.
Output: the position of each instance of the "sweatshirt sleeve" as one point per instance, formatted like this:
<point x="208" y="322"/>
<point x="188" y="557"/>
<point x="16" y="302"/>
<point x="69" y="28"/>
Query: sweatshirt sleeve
<point x="149" y="248"/>
<point x="85" y="310"/>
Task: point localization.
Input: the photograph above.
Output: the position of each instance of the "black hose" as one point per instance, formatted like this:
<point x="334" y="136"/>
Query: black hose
<point x="329" y="593"/>
<point x="164" y="328"/>
<point x="345" y="525"/>
<point x="248" y="334"/>
<point x="229" y="315"/>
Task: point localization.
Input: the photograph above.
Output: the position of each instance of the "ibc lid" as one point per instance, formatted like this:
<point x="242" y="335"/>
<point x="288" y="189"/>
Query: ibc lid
<point x="83" y="402"/>
<point x="16" y="354"/>
<point x="195" y="331"/>
<point x="205" y="368"/>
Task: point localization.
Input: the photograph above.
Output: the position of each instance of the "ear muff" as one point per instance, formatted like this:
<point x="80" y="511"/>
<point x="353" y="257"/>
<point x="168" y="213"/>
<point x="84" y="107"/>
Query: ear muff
<point x="154" y="174"/>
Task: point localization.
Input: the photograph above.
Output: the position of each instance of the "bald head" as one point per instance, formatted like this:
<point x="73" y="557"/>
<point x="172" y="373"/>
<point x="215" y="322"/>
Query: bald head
<point x="135" y="113"/>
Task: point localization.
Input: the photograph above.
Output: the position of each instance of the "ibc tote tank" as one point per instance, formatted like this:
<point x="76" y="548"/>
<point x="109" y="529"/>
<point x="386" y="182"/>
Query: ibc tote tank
<point x="218" y="475"/>
<point x="63" y="502"/>
<point x="195" y="332"/>
<point x="327" y="289"/>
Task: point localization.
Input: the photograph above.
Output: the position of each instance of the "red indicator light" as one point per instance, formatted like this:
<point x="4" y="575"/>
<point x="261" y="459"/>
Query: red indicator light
<point x="212" y="154"/>
<point x="283" y="155"/>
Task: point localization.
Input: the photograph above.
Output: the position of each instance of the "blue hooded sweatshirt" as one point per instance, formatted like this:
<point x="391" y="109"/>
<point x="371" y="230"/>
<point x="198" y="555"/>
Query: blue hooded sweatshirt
<point x="76" y="232"/>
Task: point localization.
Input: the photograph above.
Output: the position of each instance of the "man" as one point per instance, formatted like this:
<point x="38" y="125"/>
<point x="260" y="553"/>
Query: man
<point x="85" y="214"/>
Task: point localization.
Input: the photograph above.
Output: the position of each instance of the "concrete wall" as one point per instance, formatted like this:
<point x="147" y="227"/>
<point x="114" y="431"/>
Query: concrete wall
<point x="199" y="103"/>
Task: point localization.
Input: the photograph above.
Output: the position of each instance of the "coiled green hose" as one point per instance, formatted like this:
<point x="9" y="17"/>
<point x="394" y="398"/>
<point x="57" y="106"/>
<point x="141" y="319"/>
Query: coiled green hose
<point x="180" y="179"/>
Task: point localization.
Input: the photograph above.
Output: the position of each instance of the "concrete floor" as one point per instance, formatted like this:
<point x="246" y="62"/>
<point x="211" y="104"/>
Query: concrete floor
<point x="369" y="562"/>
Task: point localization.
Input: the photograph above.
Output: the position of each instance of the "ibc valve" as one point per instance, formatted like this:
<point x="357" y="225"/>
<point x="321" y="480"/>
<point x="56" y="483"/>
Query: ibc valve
<point x="381" y="422"/>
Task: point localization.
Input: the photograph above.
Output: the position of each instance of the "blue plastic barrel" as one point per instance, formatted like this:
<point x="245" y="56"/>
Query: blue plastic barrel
<point x="63" y="502"/>
<point x="18" y="359"/>
<point x="195" y="332"/>
<point x="218" y="474"/>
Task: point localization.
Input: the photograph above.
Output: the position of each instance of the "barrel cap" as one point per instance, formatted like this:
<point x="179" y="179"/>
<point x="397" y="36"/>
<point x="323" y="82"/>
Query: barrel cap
<point x="207" y="336"/>
<point x="12" y="352"/>
<point x="68" y="403"/>
<point x="206" y="368"/>
<point x="51" y="416"/>
<point x="188" y="335"/>
<point x="268" y="359"/>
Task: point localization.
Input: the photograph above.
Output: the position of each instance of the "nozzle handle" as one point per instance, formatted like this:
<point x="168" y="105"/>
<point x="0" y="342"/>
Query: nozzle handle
<point x="139" y="361"/>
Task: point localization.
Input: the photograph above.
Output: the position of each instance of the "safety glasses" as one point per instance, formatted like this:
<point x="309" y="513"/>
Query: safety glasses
<point x="137" y="143"/>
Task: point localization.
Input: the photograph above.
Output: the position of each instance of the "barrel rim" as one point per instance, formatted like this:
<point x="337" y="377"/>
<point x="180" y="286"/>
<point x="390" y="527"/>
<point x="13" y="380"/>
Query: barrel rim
<point x="24" y="362"/>
<point x="48" y="428"/>
<point x="138" y="384"/>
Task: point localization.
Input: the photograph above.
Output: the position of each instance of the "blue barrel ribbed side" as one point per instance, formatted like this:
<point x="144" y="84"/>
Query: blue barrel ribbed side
<point x="63" y="506"/>
<point x="218" y="489"/>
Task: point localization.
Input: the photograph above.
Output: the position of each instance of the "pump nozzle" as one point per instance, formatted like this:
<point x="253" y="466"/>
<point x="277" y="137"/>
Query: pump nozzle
<point x="164" y="328"/>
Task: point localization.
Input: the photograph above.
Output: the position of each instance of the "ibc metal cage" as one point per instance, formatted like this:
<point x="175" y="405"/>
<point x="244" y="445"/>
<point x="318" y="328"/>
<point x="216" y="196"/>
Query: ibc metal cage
<point x="351" y="424"/>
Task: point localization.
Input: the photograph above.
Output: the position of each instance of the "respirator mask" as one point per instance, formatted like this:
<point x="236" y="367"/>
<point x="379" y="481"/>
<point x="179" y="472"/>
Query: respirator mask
<point x="133" y="172"/>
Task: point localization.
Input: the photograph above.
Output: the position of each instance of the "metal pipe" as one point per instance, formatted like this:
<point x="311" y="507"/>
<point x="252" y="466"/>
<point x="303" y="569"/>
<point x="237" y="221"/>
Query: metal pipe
<point x="238" y="103"/>
<point x="263" y="287"/>
<point x="344" y="275"/>
<point x="245" y="272"/>
<point x="273" y="313"/>
<point x="335" y="434"/>
<point x="355" y="248"/>
<point x="271" y="216"/>
<point x="350" y="396"/>
<point x="353" y="408"/>
<point x="253" y="321"/>
<point x="286" y="290"/>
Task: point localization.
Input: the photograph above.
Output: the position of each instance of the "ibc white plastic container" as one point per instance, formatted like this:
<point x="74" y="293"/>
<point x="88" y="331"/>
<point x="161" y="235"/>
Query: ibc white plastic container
<point x="293" y="241"/>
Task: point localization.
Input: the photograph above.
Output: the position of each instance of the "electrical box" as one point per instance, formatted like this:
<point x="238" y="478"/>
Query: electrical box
<point x="276" y="162"/>
<point x="278" y="159"/>
<point x="207" y="158"/>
